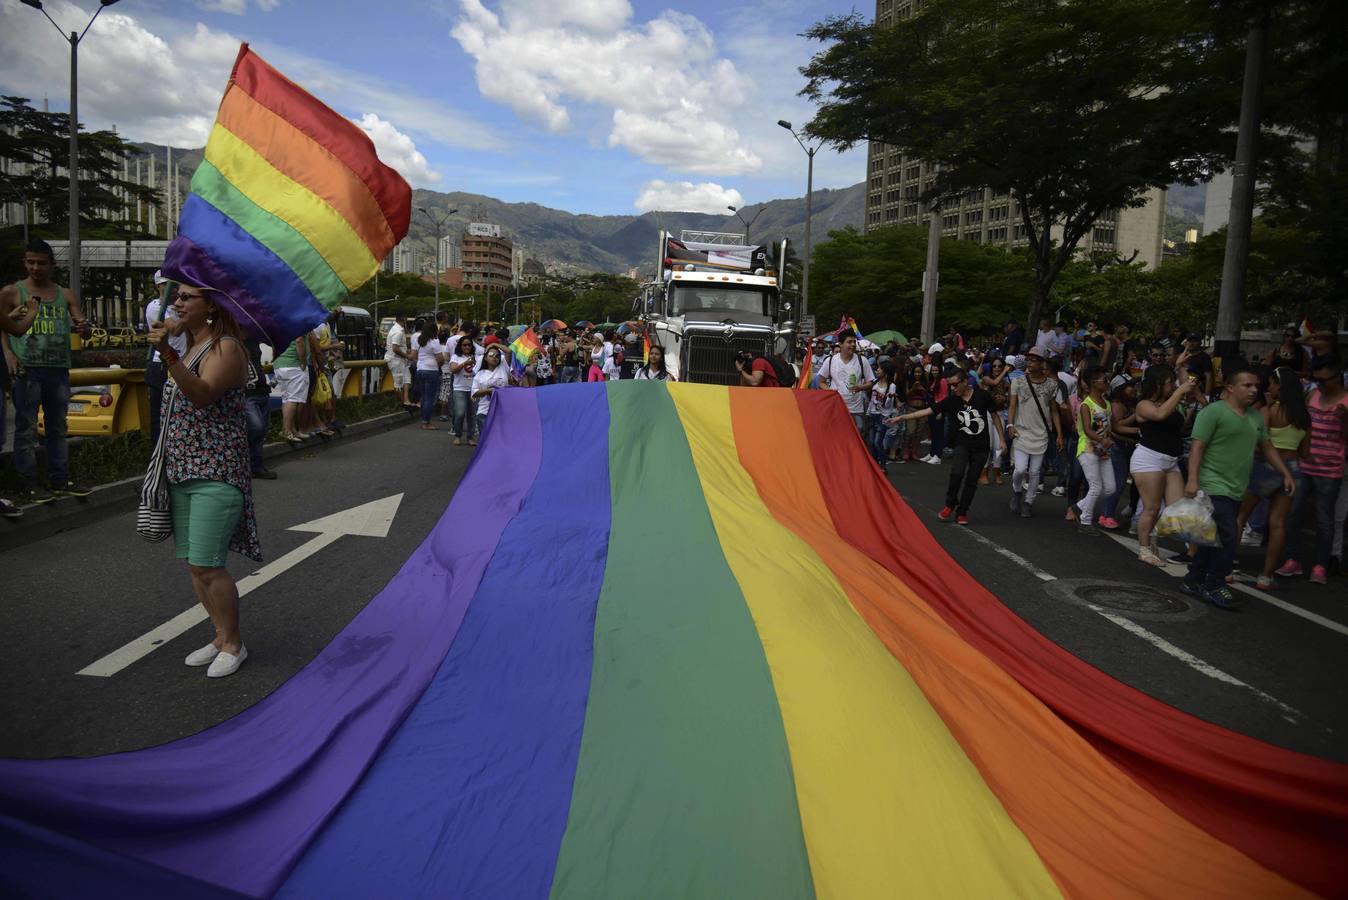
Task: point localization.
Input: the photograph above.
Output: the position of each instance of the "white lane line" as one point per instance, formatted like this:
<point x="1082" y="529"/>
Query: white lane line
<point x="1179" y="570"/>
<point x="142" y="646"/>
<point x="1290" y="713"/>
<point x="1014" y="557"/>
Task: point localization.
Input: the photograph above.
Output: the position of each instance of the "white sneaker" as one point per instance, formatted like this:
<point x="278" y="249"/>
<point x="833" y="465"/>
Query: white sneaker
<point x="202" y="657"/>
<point x="1251" y="538"/>
<point x="1058" y="491"/>
<point x="226" y="663"/>
<point x="934" y="460"/>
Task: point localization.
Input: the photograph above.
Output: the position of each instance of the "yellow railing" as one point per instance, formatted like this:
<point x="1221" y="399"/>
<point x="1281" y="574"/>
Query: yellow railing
<point x="125" y="405"/>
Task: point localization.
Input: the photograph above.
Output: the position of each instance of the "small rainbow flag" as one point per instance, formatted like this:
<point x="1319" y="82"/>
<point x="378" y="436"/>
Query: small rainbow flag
<point x="1307" y="329"/>
<point x="850" y="324"/>
<point x="522" y="349"/>
<point x="290" y="210"/>
<point x="645" y="349"/>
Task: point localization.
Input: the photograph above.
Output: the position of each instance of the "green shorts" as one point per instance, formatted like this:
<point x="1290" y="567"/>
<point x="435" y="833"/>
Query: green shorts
<point x="205" y="514"/>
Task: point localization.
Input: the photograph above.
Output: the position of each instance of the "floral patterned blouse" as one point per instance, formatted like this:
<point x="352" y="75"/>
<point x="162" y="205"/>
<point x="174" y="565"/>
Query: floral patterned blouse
<point x="211" y="443"/>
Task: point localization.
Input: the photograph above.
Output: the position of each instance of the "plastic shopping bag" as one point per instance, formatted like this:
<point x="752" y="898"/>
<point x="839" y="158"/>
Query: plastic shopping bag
<point x="1190" y="520"/>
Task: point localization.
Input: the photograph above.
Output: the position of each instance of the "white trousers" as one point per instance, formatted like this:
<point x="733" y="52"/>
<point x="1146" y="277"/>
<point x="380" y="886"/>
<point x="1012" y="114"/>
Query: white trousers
<point x="1100" y="478"/>
<point x="1027" y="467"/>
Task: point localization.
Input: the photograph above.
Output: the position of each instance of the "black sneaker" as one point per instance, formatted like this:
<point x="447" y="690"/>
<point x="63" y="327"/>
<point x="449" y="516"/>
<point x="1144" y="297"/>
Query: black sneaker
<point x="35" y="496"/>
<point x="9" y="510"/>
<point x="1026" y="510"/>
<point x="1223" y="598"/>
<point x="1088" y="529"/>
<point x="1015" y="501"/>
<point x="264" y="474"/>
<point x="1192" y="588"/>
<point x="71" y="489"/>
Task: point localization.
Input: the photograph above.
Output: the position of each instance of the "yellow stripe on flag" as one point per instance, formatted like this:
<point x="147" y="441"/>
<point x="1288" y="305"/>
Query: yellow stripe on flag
<point x="290" y="201"/>
<point x="889" y="801"/>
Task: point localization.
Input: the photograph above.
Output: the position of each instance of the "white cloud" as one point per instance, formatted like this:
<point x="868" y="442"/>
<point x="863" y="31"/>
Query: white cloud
<point x="674" y="100"/>
<point x="398" y="150"/>
<point x="236" y="7"/>
<point x="164" y="87"/>
<point x="684" y="196"/>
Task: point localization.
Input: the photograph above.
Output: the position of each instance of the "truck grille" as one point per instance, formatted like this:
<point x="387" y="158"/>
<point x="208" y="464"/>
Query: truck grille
<point x="710" y="358"/>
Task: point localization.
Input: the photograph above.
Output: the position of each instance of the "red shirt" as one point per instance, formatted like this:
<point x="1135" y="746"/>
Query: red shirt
<point x="769" y="373"/>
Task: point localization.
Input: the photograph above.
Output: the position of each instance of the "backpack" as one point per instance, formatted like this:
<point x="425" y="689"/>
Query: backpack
<point x="786" y="375"/>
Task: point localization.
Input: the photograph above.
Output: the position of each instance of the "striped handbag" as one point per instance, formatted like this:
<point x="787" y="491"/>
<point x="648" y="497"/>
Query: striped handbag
<point x="154" y="518"/>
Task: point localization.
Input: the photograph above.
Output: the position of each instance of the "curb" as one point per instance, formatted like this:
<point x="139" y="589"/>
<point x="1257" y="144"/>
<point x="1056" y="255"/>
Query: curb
<point x="115" y="498"/>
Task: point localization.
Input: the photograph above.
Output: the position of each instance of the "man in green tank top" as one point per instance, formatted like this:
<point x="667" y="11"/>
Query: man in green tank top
<point x="37" y="315"/>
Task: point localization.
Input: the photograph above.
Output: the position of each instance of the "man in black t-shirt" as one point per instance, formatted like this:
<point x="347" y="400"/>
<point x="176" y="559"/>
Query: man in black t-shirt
<point x="1198" y="363"/>
<point x="971" y="410"/>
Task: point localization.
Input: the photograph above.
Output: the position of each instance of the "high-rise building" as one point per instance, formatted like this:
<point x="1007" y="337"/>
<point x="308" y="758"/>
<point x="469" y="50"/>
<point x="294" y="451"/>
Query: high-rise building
<point x="451" y="254"/>
<point x="488" y="260"/>
<point x="895" y="181"/>
<point x="404" y="259"/>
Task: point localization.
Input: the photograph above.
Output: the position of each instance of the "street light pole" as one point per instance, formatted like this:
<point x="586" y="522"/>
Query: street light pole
<point x="809" y="217"/>
<point x="74" y="168"/>
<point x="439" y="232"/>
<point x="749" y="224"/>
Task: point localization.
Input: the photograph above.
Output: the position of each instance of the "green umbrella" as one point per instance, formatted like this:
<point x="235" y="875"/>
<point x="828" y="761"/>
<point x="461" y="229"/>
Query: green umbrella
<point x="884" y="337"/>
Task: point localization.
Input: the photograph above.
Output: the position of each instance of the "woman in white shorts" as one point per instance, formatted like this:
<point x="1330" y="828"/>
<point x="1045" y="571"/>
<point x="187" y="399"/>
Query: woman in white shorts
<point x="1155" y="461"/>
<point x="292" y="377"/>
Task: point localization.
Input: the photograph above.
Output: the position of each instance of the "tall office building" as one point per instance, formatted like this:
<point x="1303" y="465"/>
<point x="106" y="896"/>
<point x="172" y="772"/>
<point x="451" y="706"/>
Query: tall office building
<point x="404" y="259"/>
<point x="894" y="183"/>
<point x="488" y="260"/>
<point x="451" y="254"/>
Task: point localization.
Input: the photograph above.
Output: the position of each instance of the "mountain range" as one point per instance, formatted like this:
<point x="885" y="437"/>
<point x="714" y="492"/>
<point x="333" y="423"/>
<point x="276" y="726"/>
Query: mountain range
<point x="572" y="242"/>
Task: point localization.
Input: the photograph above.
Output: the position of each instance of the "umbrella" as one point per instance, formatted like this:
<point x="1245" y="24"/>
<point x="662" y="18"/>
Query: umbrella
<point x="624" y="328"/>
<point x="830" y="337"/>
<point x="884" y="337"/>
<point x="584" y="324"/>
<point x="553" y="325"/>
<point x="867" y="345"/>
<point x="516" y="331"/>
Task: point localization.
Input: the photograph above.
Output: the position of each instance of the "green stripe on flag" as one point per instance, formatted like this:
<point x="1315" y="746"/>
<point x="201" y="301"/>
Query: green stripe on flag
<point x="683" y="786"/>
<point x="274" y="233"/>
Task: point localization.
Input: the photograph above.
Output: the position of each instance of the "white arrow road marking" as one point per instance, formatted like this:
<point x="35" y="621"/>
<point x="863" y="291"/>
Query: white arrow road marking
<point x="371" y="519"/>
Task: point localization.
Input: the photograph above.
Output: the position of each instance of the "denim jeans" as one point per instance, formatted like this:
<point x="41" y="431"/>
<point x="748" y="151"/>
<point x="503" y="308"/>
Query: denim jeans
<point x="50" y="389"/>
<point x="877" y="430"/>
<point x="568" y="375"/>
<point x="859" y="420"/>
<point x="155" y="377"/>
<point x="1211" y="565"/>
<point x="256" y="408"/>
<point x="937" y="434"/>
<point x="1325" y="490"/>
<point x="464" y="423"/>
<point x="428" y="390"/>
<point x="481" y="419"/>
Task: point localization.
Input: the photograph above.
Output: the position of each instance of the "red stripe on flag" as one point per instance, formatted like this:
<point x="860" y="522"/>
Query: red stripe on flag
<point x="342" y="137"/>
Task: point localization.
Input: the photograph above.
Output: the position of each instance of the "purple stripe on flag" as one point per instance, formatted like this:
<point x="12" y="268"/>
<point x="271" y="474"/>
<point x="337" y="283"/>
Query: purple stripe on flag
<point x="238" y="803"/>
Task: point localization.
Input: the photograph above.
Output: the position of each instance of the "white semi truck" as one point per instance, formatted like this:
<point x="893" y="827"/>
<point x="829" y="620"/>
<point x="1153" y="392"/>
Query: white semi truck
<point x="715" y="297"/>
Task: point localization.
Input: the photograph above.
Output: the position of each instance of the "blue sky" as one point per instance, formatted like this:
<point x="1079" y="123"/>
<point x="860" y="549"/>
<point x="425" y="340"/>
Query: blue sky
<point x="594" y="106"/>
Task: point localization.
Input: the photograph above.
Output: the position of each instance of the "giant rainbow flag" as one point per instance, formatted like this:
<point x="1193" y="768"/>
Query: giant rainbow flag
<point x="695" y="646"/>
<point x="290" y="210"/>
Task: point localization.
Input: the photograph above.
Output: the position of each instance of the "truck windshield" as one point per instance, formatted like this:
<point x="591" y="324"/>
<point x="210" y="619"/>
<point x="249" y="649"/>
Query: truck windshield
<point x="699" y="297"/>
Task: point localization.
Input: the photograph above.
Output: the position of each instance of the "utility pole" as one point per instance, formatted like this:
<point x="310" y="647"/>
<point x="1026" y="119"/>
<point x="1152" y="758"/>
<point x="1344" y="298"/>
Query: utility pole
<point x="1232" y="296"/>
<point x="74" y="170"/>
<point x="439" y="223"/>
<point x="749" y="224"/>
<point x="809" y="219"/>
<point x="932" y="276"/>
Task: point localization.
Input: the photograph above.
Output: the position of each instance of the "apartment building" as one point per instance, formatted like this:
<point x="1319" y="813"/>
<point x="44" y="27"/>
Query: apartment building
<point x="488" y="261"/>
<point x="894" y="183"/>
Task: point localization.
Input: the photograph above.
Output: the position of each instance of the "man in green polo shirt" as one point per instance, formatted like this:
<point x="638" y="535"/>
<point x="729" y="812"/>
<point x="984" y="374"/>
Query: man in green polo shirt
<point x="1225" y="436"/>
<point x="37" y="355"/>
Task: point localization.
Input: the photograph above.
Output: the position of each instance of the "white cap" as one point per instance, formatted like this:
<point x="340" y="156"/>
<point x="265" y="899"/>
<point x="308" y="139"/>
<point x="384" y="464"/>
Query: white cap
<point x="159" y="277"/>
<point x="936" y="347"/>
<point x="1013" y="360"/>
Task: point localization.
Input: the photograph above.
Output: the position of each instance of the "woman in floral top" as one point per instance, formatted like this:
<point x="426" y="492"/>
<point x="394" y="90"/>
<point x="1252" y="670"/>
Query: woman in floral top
<point x="206" y="463"/>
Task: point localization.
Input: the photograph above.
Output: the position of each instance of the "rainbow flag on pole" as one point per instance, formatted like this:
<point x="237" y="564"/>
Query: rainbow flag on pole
<point x="850" y="324"/>
<point x="522" y="350"/>
<point x="784" y="701"/>
<point x="290" y="210"/>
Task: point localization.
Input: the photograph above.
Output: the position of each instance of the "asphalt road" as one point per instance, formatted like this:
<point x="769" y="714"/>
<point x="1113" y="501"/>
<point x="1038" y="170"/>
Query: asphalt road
<point x="70" y="600"/>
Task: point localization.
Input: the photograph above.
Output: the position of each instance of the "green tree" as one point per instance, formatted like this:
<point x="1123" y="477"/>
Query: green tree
<point x="39" y="142"/>
<point x="877" y="279"/>
<point x="1074" y="107"/>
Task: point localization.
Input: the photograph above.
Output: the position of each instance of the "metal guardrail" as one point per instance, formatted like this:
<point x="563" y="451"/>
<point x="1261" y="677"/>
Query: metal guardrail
<point x="125" y="405"/>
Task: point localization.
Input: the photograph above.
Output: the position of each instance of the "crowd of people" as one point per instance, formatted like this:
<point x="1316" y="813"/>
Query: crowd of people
<point x="1126" y="427"/>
